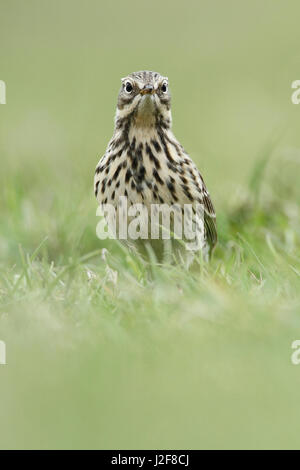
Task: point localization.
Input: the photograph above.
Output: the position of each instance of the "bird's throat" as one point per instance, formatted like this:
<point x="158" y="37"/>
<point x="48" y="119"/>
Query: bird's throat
<point x="146" y="111"/>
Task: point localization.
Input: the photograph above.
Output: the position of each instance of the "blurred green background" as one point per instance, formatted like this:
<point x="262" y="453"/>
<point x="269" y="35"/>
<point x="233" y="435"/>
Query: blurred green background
<point x="158" y="358"/>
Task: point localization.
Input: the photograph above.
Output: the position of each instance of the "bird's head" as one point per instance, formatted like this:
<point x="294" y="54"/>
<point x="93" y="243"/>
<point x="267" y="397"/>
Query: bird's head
<point x="145" y="96"/>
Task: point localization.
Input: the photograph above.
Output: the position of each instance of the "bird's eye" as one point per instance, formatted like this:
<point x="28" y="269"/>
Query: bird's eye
<point x="164" y="87"/>
<point x="128" y="87"/>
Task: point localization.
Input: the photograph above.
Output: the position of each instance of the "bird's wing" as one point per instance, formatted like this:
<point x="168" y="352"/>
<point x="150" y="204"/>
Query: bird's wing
<point x="210" y="224"/>
<point x="209" y="218"/>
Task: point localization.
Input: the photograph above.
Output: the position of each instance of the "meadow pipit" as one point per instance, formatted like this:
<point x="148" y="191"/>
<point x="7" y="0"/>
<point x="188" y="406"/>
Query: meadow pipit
<point x="145" y="162"/>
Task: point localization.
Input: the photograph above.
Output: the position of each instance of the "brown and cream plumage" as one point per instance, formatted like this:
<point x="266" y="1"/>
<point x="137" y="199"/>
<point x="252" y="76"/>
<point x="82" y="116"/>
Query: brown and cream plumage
<point x="144" y="161"/>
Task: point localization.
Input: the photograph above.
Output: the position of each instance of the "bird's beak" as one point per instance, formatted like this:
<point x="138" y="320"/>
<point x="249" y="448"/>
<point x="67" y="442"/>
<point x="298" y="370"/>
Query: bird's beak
<point x="147" y="90"/>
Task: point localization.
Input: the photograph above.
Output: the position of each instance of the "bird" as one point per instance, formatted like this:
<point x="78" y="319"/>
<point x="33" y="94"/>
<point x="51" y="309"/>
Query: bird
<point x="146" y="164"/>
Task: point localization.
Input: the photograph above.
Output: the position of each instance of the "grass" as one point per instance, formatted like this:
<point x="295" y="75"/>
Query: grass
<point x="105" y="350"/>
